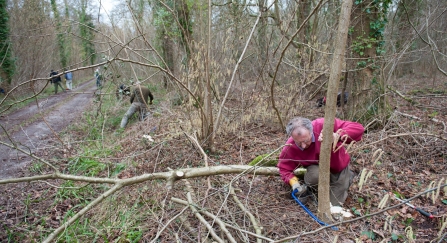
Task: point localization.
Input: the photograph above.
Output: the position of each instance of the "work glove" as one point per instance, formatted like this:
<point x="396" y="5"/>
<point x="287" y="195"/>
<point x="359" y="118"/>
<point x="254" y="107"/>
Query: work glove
<point x="300" y="189"/>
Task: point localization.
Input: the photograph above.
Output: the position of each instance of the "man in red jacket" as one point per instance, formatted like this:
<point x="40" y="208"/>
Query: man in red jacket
<point x="303" y="149"/>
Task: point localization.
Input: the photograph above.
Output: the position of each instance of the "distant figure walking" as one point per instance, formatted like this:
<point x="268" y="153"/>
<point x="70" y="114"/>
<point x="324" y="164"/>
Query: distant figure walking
<point x="56" y="81"/>
<point x="69" y="80"/>
<point x="322" y="101"/>
<point x="98" y="78"/>
<point x="138" y="101"/>
<point x="2" y="91"/>
<point x="123" y="90"/>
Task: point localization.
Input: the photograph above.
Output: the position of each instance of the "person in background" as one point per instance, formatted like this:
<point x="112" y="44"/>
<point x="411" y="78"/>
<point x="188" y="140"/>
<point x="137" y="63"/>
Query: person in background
<point x="138" y="101"/>
<point x="303" y="149"/>
<point x="2" y="91"/>
<point x="68" y="80"/>
<point x="123" y="90"/>
<point x="98" y="78"/>
<point x="56" y="80"/>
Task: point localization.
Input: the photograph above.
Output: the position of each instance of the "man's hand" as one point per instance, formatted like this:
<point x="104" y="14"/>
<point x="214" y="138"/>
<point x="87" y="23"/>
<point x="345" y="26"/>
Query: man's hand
<point x="336" y="136"/>
<point x="301" y="189"/>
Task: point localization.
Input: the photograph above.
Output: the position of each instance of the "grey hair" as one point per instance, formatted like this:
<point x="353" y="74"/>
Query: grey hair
<point x="299" y="122"/>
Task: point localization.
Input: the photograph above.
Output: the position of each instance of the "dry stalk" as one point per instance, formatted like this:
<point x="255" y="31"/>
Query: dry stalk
<point x="388" y="223"/>
<point x="443" y="226"/>
<point x="378" y="153"/>
<point x="384" y="201"/>
<point x="364" y="177"/>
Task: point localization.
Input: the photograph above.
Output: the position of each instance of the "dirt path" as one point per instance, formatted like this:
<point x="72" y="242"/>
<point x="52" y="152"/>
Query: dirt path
<point x="32" y="128"/>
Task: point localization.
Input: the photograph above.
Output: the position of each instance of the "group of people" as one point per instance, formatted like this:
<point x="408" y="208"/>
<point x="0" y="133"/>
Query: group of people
<point x="56" y="80"/>
<point x="302" y="148"/>
<point x="138" y="97"/>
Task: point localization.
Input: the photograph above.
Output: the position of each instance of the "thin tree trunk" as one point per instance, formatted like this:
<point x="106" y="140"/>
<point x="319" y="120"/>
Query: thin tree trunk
<point x="209" y="127"/>
<point x="329" y="113"/>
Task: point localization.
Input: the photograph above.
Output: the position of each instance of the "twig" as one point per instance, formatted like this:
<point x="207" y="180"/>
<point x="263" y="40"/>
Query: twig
<point x="227" y="225"/>
<point x="201" y="219"/>
<point x="250" y="215"/>
<point x="400" y="135"/>
<point x="205" y="156"/>
<point x="407" y="115"/>
<point x="167" y="224"/>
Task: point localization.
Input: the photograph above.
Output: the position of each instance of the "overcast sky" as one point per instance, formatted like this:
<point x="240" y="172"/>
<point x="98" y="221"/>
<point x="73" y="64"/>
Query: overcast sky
<point x="107" y="4"/>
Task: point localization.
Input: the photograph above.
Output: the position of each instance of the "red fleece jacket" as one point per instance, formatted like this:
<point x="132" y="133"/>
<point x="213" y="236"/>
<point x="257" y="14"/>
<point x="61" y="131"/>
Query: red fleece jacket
<point x="292" y="157"/>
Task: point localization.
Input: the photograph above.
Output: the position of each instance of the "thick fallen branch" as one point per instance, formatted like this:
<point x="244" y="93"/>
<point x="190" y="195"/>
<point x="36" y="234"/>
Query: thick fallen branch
<point x="99" y="199"/>
<point x="169" y="176"/>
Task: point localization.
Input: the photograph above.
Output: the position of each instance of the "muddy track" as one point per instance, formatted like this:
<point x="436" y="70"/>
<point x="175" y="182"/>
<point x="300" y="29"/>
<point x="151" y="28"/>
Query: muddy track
<point x="33" y="127"/>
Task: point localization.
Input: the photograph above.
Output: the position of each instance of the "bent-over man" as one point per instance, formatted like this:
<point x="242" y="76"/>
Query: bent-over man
<point x="138" y="101"/>
<point x="303" y="149"/>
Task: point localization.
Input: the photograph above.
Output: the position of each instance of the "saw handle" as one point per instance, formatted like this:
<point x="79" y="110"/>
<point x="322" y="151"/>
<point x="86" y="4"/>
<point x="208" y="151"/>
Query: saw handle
<point x="426" y="214"/>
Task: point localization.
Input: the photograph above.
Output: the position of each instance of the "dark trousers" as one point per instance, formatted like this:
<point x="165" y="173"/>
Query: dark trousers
<point x="56" y="84"/>
<point x="339" y="183"/>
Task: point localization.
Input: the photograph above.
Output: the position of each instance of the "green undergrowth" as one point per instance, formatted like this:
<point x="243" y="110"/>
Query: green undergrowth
<point x="100" y="129"/>
<point x="122" y="216"/>
<point x="265" y="160"/>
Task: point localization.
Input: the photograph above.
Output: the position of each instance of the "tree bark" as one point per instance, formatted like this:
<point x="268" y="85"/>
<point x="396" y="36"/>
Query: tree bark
<point x="329" y="117"/>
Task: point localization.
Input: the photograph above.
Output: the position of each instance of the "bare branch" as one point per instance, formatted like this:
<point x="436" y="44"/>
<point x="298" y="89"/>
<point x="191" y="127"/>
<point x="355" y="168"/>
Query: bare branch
<point x="252" y="218"/>
<point x="95" y="202"/>
<point x="202" y="220"/>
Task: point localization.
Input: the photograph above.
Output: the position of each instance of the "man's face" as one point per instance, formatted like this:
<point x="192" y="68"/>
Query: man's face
<point x="302" y="138"/>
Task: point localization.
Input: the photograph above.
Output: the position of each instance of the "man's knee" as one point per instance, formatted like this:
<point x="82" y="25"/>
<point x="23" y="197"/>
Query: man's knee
<point x="311" y="176"/>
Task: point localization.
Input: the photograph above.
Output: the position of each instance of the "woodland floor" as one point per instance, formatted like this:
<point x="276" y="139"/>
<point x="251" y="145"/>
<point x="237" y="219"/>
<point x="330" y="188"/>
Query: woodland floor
<point x="411" y="161"/>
